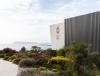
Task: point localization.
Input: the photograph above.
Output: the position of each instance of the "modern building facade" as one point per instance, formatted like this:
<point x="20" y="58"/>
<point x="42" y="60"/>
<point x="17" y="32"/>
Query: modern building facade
<point x="84" y="29"/>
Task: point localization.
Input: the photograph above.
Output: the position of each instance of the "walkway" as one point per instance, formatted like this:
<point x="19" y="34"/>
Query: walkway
<point x="7" y="68"/>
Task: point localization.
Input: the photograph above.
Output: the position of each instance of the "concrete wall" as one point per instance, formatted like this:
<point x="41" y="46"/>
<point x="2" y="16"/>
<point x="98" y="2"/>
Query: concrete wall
<point x="57" y="36"/>
<point x="85" y="29"/>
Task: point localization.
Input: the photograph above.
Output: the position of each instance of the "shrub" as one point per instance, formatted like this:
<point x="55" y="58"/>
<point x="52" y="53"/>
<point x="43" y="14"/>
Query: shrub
<point x="65" y="73"/>
<point x="31" y="55"/>
<point x="28" y="72"/>
<point x="61" y="52"/>
<point x="8" y="51"/>
<point x="16" y="61"/>
<point x="27" y="63"/>
<point x="23" y="49"/>
<point x="42" y="68"/>
<point x="94" y="59"/>
<point x="39" y="56"/>
<point x="12" y="58"/>
<point x="60" y="59"/>
<point x="59" y="62"/>
<point x="47" y="73"/>
<point x="6" y="58"/>
<point x="1" y="55"/>
<point x="41" y="62"/>
<point x="54" y="70"/>
<point x="89" y="73"/>
<point x="49" y="52"/>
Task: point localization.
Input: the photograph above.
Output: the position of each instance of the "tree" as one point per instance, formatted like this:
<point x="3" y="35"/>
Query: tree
<point x="50" y="52"/>
<point x="23" y="49"/>
<point x="35" y="49"/>
<point x="61" y="52"/>
<point x="8" y="51"/>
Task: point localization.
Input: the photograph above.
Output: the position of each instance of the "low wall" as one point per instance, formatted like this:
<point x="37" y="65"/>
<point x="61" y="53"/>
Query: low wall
<point x="34" y="72"/>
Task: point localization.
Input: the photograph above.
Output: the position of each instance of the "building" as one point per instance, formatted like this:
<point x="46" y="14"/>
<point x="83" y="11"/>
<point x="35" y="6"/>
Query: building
<point x="84" y="29"/>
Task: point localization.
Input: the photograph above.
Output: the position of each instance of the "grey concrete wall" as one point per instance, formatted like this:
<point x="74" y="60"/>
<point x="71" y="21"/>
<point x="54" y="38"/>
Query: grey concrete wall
<point x="85" y="29"/>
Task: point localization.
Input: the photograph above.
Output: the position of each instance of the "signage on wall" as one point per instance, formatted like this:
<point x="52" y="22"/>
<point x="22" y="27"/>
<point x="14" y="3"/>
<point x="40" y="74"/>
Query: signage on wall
<point x="57" y="31"/>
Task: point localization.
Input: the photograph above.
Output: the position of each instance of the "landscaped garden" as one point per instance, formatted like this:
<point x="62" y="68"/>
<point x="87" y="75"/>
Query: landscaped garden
<point x="73" y="60"/>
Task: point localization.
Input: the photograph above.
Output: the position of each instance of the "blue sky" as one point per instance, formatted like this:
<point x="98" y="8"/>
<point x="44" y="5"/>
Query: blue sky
<point x="30" y="20"/>
<point x="53" y="4"/>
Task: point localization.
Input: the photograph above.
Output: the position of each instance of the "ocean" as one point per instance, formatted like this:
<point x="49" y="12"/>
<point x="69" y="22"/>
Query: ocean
<point x="18" y="45"/>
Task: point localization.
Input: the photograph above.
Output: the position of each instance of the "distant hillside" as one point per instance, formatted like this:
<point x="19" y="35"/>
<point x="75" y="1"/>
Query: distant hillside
<point x="28" y="45"/>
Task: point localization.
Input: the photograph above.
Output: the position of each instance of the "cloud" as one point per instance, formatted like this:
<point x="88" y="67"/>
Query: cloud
<point x="49" y="5"/>
<point x="26" y="20"/>
<point x="17" y="4"/>
<point x="78" y="7"/>
<point x="16" y="16"/>
<point x="23" y="20"/>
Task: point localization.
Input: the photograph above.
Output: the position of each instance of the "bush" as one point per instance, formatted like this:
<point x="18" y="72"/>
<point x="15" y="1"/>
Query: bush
<point x="48" y="73"/>
<point x="23" y="49"/>
<point x="54" y="70"/>
<point x="12" y="58"/>
<point x="31" y="55"/>
<point x="42" y="68"/>
<point x="94" y="59"/>
<point x="89" y="73"/>
<point x="64" y="73"/>
<point x="61" y="52"/>
<point x="28" y="72"/>
<point x="1" y="55"/>
<point x="6" y="58"/>
<point x="50" y="52"/>
<point x="60" y="59"/>
<point x="8" y="51"/>
<point x="27" y="63"/>
<point x="59" y="62"/>
<point x="17" y="60"/>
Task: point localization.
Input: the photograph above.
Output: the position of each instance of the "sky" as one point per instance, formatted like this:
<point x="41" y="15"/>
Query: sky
<point x="30" y="20"/>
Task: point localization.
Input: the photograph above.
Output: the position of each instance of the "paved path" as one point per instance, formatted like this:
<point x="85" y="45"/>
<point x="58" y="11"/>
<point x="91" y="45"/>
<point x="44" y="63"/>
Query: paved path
<point x="7" y="68"/>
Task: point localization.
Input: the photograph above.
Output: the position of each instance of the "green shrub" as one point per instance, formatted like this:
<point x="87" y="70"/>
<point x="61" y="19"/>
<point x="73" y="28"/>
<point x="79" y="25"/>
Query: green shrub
<point x="60" y="59"/>
<point x="48" y="73"/>
<point x="94" y="59"/>
<point x="28" y="62"/>
<point x="57" y="67"/>
<point x="16" y="61"/>
<point x="54" y="70"/>
<point x="59" y="62"/>
<point x="30" y="55"/>
<point x="41" y="62"/>
<point x="6" y="58"/>
<point x="64" y="73"/>
<point x="50" y="52"/>
<point x="1" y="55"/>
<point x="12" y="58"/>
<point x="89" y="73"/>
<point x="61" y="52"/>
<point x="42" y="68"/>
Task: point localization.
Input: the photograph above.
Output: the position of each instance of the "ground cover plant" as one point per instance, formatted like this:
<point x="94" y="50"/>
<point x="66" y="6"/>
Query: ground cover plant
<point x="73" y="60"/>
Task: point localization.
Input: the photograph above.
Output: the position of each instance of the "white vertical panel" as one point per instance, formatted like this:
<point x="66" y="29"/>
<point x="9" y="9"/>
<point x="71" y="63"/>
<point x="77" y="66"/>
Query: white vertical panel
<point x="58" y="36"/>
